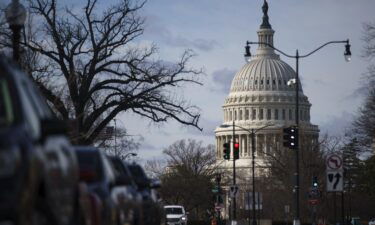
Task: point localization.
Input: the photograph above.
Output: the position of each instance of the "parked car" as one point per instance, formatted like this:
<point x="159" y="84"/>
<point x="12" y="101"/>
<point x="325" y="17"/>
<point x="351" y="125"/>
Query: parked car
<point x="175" y="215"/>
<point x="97" y="171"/>
<point x="371" y="222"/>
<point x="151" y="206"/>
<point x="133" y="203"/>
<point x="38" y="168"/>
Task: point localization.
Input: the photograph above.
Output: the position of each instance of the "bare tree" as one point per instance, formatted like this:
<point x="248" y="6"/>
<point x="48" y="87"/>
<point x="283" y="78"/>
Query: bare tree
<point x="92" y="68"/>
<point x="187" y="177"/>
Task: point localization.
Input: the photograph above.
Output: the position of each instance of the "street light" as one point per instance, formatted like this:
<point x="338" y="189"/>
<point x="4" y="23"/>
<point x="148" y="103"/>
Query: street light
<point x="130" y="154"/>
<point x="15" y="14"/>
<point x="252" y="133"/>
<point x="347" y="55"/>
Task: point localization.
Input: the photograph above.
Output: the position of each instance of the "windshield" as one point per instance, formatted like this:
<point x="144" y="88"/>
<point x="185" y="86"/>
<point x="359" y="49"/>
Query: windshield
<point x="6" y="107"/>
<point x="176" y="211"/>
<point x="139" y="176"/>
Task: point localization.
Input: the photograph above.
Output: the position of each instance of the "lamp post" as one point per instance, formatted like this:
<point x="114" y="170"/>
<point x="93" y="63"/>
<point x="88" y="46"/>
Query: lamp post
<point x="252" y="134"/>
<point x="15" y="14"/>
<point x="297" y="56"/>
<point x="234" y="206"/>
<point x="129" y="154"/>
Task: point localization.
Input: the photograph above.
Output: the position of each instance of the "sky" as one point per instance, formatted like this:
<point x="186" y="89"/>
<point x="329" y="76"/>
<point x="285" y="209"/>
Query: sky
<point x="217" y="30"/>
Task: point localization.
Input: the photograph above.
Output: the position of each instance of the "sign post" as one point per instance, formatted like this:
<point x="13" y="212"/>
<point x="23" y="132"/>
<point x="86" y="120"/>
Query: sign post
<point x="335" y="177"/>
<point x="334" y="173"/>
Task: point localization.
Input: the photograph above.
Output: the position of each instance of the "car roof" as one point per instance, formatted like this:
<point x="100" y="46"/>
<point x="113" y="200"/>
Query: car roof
<point x="173" y="206"/>
<point x="85" y="148"/>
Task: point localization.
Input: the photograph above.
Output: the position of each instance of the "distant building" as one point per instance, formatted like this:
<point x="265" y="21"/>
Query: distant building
<point x="259" y="96"/>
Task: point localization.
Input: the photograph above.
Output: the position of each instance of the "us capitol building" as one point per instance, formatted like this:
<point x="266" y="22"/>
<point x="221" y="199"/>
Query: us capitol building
<point x="260" y="96"/>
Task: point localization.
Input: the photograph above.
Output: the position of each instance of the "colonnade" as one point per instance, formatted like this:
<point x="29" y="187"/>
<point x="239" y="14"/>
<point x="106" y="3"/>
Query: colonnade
<point x="264" y="144"/>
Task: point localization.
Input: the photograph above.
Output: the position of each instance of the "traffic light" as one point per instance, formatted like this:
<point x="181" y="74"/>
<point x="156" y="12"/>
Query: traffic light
<point x="290" y="137"/>
<point x="236" y="150"/>
<point x="226" y="151"/>
<point x="315" y="183"/>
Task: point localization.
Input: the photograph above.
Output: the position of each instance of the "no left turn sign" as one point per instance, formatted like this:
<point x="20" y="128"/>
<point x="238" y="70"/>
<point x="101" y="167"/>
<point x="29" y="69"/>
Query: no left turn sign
<point x="334" y="162"/>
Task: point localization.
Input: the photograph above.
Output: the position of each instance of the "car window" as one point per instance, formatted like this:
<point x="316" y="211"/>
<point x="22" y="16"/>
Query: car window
<point x="6" y="106"/>
<point x="108" y="170"/>
<point x="120" y="169"/>
<point x="173" y="211"/>
<point x="139" y="176"/>
<point x="29" y="112"/>
<point x="90" y="167"/>
<point x="39" y="103"/>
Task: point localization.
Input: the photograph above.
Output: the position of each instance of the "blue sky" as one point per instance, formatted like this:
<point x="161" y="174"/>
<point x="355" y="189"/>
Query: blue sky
<point x="216" y="30"/>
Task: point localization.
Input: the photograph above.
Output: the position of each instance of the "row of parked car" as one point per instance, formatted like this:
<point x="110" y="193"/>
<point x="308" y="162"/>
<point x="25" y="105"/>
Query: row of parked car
<point x="46" y="180"/>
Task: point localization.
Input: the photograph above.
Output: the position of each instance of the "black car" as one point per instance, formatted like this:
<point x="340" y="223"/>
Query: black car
<point x="152" y="209"/>
<point x="132" y="204"/>
<point x="38" y="168"/>
<point x="97" y="171"/>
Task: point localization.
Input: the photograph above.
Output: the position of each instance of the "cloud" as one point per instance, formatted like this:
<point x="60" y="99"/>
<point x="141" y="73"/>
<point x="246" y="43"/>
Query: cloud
<point x="156" y="28"/>
<point x="337" y="125"/>
<point x="200" y="44"/>
<point x="222" y="79"/>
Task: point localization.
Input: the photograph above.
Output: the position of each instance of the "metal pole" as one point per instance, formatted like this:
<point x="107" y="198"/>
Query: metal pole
<point x="342" y="209"/>
<point x="253" y="165"/>
<point x="248" y="203"/>
<point x="334" y="209"/>
<point x="234" y="174"/>
<point x="16" y="30"/>
<point x="296" y="175"/>
<point x="115" y="139"/>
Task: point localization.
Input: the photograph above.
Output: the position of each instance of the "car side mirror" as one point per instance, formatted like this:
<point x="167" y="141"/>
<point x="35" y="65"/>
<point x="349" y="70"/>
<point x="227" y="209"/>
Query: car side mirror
<point x="53" y="126"/>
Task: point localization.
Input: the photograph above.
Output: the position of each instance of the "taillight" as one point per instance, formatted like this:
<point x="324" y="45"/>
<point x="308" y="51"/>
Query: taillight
<point x="87" y="176"/>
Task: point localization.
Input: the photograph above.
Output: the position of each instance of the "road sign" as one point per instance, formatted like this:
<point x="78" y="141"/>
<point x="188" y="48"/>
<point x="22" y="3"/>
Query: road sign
<point x="334" y="162"/>
<point x="233" y="191"/>
<point x="335" y="181"/>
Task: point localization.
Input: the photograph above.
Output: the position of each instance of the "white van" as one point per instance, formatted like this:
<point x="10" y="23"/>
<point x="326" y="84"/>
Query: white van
<point x="175" y="215"/>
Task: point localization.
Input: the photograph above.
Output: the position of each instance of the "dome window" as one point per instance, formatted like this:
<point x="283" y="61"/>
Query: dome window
<point x="276" y="114"/>
<point x="283" y="114"/>
<point x="261" y="82"/>
<point x="290" y="114"/>
<point x="268" y="114"/>
<point x="274" y="82"/>
<point x="254" y="114"/>
<point x="268" y="82"/>
<point x="261" y="114"/>
<point x="256" y="82"/>
<point x="279" y="82"/>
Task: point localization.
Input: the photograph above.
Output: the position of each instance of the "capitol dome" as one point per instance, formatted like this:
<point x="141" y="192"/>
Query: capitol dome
<point x="260" y="99"/>
<point x="263" y="74"/>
